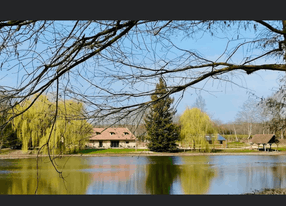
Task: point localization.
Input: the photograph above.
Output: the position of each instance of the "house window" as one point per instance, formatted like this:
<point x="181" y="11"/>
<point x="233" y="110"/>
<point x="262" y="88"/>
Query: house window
<point x="114" y="144"/>
<point x="97" y="133"/>
<point x="220" y="142"/>
<point x="100" y="143"/>
<point x="112" y="133"/>
<point x="126" y="133"/>
<point x="127" y="142"/>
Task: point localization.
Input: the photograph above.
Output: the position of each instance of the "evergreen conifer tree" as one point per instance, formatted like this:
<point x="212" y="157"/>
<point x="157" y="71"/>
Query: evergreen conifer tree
<point x="162" y="132"/>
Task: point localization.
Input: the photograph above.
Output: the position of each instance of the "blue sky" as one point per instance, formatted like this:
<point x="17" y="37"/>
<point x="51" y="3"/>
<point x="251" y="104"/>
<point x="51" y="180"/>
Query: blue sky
<point x="223" y="100"/>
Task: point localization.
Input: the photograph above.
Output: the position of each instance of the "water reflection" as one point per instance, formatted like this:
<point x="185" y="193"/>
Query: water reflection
<point x="196" y="175"/>
<point x="279" y="173"/>
<point x="145" y="175"/>
<point x="244" y="174"/>
<point x="161" y="173"/>
<point x="113" y="175"/>
<point x="24" y="179"/>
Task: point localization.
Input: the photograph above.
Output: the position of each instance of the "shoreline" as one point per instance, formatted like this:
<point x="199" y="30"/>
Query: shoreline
<point x="25" y="156"/>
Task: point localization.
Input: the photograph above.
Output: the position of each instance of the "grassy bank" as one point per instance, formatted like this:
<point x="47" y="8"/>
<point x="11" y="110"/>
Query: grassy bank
<point x="269" y="191"/>
<point x="9" y="153"/>
<point x="280" y="148"/>
<point x="222" y="151"/>
<point x="110" y="151"/>
<point x="4" y="151"/>
<point x="236" y="144"/>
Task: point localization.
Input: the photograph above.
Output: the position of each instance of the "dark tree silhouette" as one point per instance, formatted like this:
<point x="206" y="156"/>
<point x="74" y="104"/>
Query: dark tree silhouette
<point x="162" y="132"/>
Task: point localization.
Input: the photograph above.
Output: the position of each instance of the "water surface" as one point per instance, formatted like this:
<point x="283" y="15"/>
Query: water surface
<point x="144" y="175"/>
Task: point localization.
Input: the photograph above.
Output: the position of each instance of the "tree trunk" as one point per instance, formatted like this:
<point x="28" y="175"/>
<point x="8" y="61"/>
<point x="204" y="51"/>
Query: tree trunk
<point x="1" y="144"/>
<point x="235" y="133"/>
<point x="249" y="130"/>
<point x="2" y="140"/>
<point x="284" y="30"/>
<point x="194" y="145"/>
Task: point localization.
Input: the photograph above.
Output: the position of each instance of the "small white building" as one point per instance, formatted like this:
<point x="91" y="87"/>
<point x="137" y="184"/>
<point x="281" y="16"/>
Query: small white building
<point x="112" y="137"/>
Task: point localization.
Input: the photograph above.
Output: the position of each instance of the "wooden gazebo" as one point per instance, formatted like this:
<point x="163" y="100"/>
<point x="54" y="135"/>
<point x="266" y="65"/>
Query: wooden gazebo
<point x="264" y="139"/>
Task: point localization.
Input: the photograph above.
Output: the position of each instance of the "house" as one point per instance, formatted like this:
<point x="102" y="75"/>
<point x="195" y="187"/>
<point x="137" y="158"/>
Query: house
<point x="112" y="137"/>
<point x="212" y="139"/>
<point x="264" y="139"/>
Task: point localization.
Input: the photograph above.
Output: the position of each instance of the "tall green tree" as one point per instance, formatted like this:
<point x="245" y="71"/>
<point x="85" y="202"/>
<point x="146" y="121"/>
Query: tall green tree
<point x="195" y="124"/>
<point x="162" y="133"/>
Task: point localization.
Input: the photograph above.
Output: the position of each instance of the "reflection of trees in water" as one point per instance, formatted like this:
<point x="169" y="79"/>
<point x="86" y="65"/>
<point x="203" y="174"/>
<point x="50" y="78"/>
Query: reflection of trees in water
<point x="196" y="175"/>
<point x="279" y="174"/>
<point x="257" y="174"/>
<point x="161" y="174"/>
<point x="24" y="181"/>
<point x="264" y="176"/>
<point x="127" y="177"/>
<point x="157" y="177"/>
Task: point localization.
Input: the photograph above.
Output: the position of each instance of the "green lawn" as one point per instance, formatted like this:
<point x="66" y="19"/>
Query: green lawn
<point x="109" y="151"/>
<point x="235" y="151"/>
<point x="236" y="144"/>
<point x="225" y="151"/>
<point x="4" y="151"/>
<point x="279" y="148"/>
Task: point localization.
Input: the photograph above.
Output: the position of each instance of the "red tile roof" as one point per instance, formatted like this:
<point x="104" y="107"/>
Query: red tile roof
<point x="119" y="134"/>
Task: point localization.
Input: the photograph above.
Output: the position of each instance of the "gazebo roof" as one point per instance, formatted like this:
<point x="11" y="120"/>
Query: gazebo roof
<point x="264" y="138"/>
<point x="219" y="138"/>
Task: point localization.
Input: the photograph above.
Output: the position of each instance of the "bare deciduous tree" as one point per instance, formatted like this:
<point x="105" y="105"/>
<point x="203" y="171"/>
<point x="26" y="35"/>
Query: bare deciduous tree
<point x="275" y="110"/>
<point x="200" y="103"/>
<point x="249" y="115"/>
<point x="107" y="64"/>
<point x="113" y="66"/>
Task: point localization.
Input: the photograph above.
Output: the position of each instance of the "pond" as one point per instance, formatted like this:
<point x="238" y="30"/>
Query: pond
<point x="144" y="175"/>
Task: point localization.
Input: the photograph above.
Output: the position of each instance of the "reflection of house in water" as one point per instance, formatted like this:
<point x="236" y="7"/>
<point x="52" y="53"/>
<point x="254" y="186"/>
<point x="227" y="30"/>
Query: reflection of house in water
<point x="112" y="137"/>
<point x="117" y="175"/>
<point x="113" y="169"/>
<point x="113" y="172"/>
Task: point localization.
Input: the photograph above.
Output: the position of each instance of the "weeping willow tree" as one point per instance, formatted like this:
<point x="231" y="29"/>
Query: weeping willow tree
<point x="195" y="124"/>
<point x="70" y="131"/>
<point x="31" y="126"/>
<point x="34" y="126"/>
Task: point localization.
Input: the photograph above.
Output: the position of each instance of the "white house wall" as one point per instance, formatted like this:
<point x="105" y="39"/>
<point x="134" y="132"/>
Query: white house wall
<point x="107" y="143"/>
<point x="123" y="144"/>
